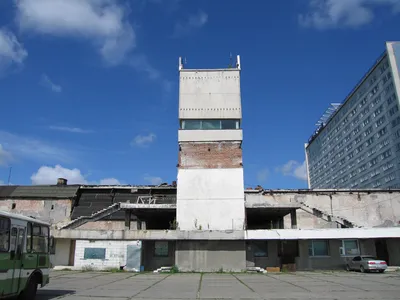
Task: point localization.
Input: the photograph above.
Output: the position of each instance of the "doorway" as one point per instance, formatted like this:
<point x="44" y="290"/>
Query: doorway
<point x="381" y="250"/>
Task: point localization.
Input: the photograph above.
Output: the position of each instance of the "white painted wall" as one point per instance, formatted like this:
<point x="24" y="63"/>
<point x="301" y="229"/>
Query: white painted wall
<point x="115" y="253"/>
<point x="210" y="135"/>
<point x="210" y="199"/>
<point x="209" y="94"/>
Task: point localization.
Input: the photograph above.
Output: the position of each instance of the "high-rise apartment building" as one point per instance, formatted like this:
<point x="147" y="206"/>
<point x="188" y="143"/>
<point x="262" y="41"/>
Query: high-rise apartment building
<point x="357" y="143"/>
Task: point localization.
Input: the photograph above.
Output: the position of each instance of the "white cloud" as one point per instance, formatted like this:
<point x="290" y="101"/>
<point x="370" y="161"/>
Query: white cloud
<point x="49" y="175"/>
<point x="70" y="129"/>
<point x="12" y="52"/>
<point x="326" y="14"/>
<point x="153" y="180"/>
<point x="143" y="140"/>
<point x="24" y="147"/>
<point x="193" y="22"/>
<point x="262" y="175"/>
<point x="109" y="181"/>
<point x="5" y="156"/>
<point x="295" y="169"/>
<point x="2" y="182"/>
<point x="46" y="82"/>
<point x="103" y="22"/>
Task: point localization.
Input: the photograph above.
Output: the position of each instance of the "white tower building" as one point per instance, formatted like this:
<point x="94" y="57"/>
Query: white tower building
<point x="210" y="192"/>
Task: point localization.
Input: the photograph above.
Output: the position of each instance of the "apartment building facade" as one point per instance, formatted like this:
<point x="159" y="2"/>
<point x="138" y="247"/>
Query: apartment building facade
<point x="357" y="142"/>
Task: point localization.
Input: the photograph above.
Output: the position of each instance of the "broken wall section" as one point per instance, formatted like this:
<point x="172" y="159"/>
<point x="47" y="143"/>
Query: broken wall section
<point x="51" y="211"/>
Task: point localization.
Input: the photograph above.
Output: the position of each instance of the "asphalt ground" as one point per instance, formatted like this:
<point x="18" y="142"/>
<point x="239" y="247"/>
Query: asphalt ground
<point x="72" y="285"/>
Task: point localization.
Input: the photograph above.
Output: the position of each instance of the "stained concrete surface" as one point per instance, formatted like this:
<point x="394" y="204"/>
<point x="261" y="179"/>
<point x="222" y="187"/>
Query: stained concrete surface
<point x="70" y="285"/>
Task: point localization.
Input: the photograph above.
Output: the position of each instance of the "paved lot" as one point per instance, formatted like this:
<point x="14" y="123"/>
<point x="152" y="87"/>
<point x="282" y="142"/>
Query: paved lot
<point x="71" y="285"/>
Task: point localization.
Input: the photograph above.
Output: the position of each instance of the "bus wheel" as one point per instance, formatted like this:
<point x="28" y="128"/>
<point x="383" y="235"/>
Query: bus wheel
<point x="30" y="291"/>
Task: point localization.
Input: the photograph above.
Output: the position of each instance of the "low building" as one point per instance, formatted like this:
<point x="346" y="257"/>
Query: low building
<point x="120" y="226"/>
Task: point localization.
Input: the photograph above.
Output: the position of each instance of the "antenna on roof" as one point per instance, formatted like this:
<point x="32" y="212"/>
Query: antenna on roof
<point x="9" y="176"/>
<point x="230" y="61"/>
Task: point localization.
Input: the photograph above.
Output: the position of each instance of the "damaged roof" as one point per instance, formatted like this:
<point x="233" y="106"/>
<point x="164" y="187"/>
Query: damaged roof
<point x="39" y="191"/>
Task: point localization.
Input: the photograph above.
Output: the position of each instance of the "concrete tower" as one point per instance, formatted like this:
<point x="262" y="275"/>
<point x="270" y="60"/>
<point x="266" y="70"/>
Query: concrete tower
<point x="210" y="192"/>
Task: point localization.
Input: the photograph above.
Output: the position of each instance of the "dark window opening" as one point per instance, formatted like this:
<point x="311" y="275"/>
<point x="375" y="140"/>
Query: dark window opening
<point x="161" y="248"/>
<point x="94" y="253"/>
<point x="13" y="206"/>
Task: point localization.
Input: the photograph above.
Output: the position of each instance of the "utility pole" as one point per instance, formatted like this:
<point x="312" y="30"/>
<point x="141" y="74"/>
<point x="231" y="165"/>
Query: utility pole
<point x="9" y="176"/>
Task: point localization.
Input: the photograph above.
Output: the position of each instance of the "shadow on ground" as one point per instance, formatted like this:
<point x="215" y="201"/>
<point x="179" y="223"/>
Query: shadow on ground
<point x="51" y="294"/>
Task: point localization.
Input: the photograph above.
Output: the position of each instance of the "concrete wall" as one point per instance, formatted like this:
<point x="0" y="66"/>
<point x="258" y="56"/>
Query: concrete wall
<point x="107" y="225"/>
<point x="334" y="260"/>
<point x="115" y="254"/>
<point x="211" y="94"/>
<point x="210" y="135"/>
<point x="210" y="199"/>
<point x="52" y="211"/>
<point x="365" y="209"/>
<point x="210" y="256"/>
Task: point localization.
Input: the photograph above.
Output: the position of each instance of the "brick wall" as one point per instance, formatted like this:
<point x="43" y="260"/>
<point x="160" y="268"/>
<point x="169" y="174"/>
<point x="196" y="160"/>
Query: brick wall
<point x="52" y="211"/>
<point x="217" y="155"/>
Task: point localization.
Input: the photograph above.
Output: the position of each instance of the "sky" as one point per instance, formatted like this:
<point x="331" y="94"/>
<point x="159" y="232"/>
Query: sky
<point x="89" y="88"/>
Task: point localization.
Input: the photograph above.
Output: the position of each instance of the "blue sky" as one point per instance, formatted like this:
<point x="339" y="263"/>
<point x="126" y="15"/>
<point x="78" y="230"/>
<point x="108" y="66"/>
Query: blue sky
<point x="89" y="88"/>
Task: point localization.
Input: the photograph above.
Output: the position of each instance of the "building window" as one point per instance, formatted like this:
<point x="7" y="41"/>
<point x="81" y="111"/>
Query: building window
<point x="395" y="122"/>
<point x="382" y="132"/>
<point x="4" y="234"/>
<point x="380" y="121"/>
<point x="393" y="110"/>
<point x="350" y="247"/>
<point x="94" y="253"/>
<point x="373" y="162"/>
<point x="260" y="248"/>
<point x="391" y="99"/>
<point x="386" y="154"/>
<point x="210" y="124"/>
<point x="369" y="141"/>
<point x="318" y="248"/>
<point x="368" y="131"/>
<point x="161" y="248"/>
<point x="366" y="121"/>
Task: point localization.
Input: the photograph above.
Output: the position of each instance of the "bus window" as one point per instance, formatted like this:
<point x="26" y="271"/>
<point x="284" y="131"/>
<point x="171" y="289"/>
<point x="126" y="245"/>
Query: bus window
<point x="29" y="237"/>
<point x="46" y="234"/>
<point x="40" y="239"/>
<point x="4" y="234"/>
<point x="13" y="240"/>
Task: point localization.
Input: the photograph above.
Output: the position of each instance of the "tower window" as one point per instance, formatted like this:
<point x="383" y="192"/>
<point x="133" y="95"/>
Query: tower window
<point x="210" y="124"/>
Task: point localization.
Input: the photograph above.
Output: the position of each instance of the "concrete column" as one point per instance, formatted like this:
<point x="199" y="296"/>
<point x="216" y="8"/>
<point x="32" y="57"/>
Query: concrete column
<point x="293" y="219"/>
<point x="127" y="219"/>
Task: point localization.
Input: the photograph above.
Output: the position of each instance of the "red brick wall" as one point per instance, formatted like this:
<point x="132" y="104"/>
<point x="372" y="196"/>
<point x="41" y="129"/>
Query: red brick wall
<point x="218" y="155"/>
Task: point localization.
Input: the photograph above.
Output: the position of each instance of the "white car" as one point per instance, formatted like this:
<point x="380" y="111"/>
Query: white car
<point x="366" y="263"/>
